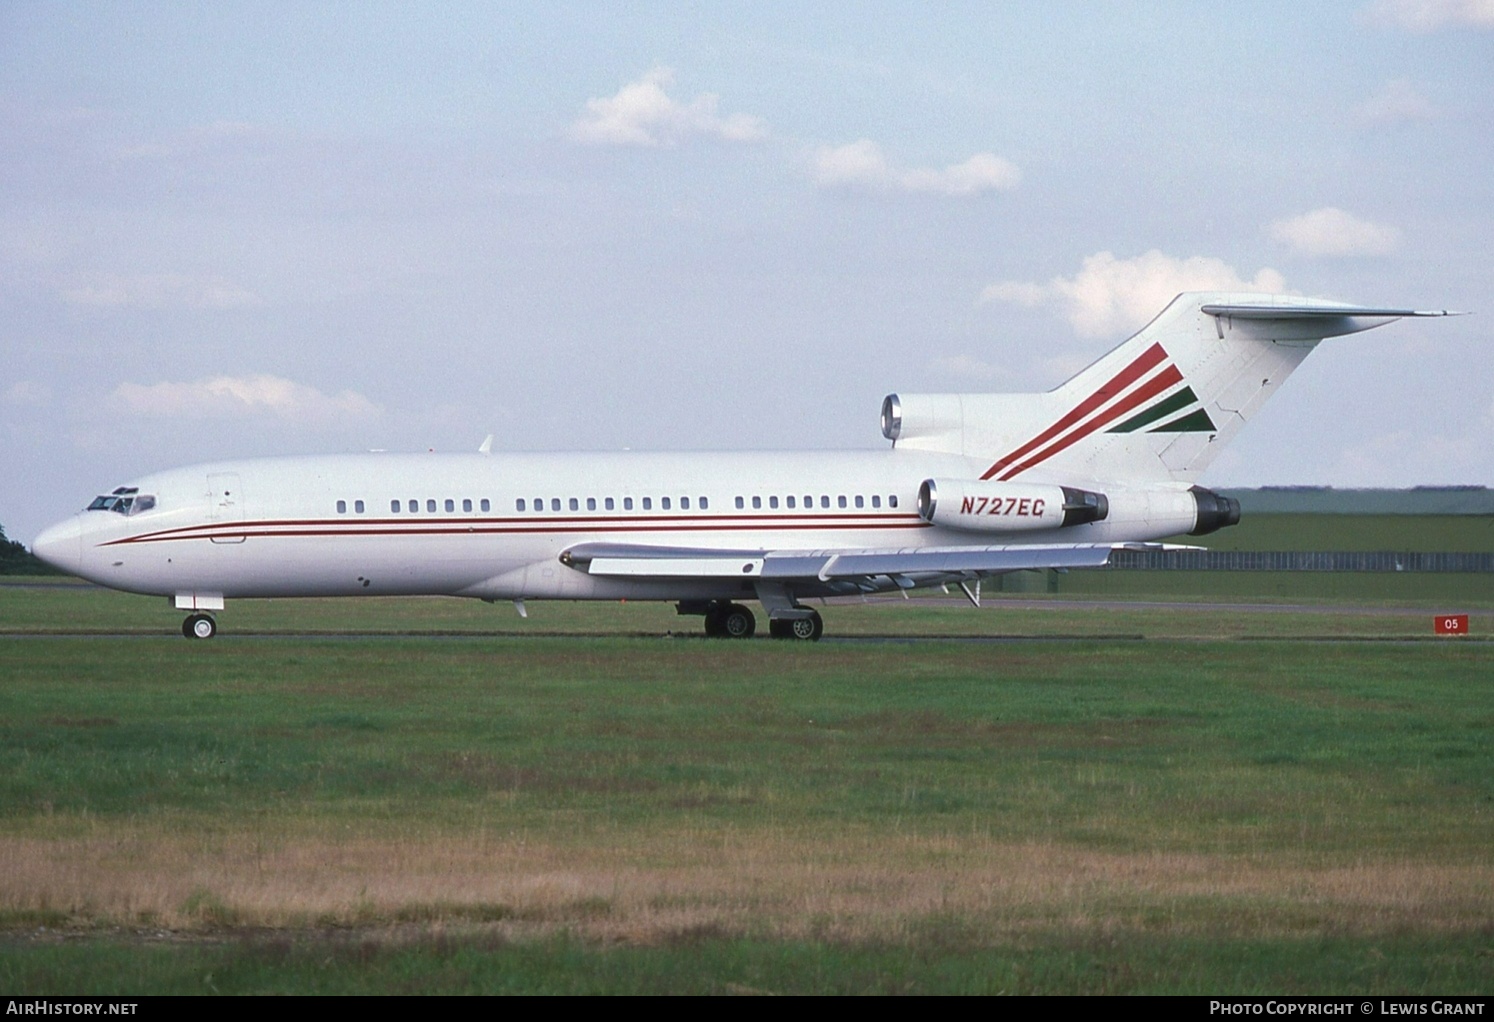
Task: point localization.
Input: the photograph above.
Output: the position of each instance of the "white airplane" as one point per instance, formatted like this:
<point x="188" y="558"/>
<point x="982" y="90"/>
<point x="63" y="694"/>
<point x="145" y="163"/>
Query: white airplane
<point x="974" y="485"/>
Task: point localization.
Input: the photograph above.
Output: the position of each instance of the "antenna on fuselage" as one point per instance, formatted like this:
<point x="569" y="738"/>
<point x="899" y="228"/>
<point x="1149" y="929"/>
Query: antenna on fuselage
<point x="487" y="445"/>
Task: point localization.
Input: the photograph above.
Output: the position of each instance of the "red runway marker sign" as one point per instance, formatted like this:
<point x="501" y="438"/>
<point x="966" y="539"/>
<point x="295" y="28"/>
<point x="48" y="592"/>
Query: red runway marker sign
<point x="1450" y="624"/>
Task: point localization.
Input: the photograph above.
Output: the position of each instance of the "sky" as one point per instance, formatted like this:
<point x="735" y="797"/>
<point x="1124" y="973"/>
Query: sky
<point x="243" y="229"/>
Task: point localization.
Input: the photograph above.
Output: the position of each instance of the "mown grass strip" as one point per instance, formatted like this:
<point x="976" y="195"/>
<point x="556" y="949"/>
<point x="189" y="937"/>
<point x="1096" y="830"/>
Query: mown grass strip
<point x="855" y="805"/>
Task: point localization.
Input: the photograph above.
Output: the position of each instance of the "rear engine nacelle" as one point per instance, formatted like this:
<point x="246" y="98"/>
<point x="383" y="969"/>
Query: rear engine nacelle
<point x="1214" y="511"/>
<point x="976" y="505"/>
<point x="1159" y="513"/>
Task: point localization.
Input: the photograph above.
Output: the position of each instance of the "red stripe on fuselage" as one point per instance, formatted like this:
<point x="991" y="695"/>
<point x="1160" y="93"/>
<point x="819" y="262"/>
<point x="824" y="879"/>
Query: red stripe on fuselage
<point x="518" y="527"/>
<point x="1143" y="363"/>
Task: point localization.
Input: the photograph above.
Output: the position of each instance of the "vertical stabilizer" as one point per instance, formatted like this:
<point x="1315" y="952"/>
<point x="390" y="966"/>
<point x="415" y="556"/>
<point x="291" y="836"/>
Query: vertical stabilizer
<point x="1158" y="407"/>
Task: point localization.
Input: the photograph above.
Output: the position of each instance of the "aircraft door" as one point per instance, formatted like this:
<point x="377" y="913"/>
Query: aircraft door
<point x="225" y="503"/>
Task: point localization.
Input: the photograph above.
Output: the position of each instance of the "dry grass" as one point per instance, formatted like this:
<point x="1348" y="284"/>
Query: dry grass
<point x="650" y="887"/>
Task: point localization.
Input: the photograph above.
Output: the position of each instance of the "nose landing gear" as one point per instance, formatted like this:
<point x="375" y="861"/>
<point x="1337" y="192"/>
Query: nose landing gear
<point x="200" y="626"/>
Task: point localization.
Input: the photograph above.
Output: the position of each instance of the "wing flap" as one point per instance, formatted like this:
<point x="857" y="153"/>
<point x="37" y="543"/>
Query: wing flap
<point x="677" y="567"/>
<point x="633" y="561"/>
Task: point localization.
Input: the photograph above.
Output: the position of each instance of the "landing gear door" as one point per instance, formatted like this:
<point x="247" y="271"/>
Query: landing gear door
<point x="225" y="504"/>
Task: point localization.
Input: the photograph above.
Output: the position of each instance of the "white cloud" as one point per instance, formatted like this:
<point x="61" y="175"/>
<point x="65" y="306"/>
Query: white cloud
<point x="160" y="291"/>
<point x="232" y="397"/>
<point x="1398" y="101"/>
<point x="1110" y="295"/>
<point x="643" y="114"/>
<point x="1332" y="232"/>
<point x="862" y="164"/>
<point x="1430" y="15"/>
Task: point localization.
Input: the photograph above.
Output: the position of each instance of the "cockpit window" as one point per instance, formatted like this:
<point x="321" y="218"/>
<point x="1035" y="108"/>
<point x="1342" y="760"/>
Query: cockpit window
<point x="123" y="501"/>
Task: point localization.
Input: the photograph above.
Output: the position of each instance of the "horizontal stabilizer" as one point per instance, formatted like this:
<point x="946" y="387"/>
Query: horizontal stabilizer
<point x="1317" y="311"/>
<point x="1302" y="319"/>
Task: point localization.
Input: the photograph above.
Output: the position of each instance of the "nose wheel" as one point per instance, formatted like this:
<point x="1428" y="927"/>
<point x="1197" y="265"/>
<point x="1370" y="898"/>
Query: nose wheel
<point x="200" y="626"/>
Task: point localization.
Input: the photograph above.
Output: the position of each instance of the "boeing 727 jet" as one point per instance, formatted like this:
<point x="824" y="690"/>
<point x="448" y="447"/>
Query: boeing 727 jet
<point x="972" y="486"/>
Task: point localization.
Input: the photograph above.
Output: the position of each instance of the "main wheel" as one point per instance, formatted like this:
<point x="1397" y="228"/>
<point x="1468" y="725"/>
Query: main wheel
<point x="737" y="622"/>
<point x="807" y="628"/>
<point x="200" y="626"/>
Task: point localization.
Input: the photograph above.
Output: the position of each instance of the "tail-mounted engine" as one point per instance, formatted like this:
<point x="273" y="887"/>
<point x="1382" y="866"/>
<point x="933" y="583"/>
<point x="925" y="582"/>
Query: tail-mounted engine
<point x="979" y="506"/>
<point x="1213" y="511"/>
<point x="976" y="505"/>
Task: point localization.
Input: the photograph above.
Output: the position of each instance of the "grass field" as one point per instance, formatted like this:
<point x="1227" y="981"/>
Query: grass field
<point x="1114" y="799"/>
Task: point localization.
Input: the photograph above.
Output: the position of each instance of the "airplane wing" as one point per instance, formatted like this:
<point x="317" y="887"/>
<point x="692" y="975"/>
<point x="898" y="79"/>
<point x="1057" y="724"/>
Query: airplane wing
<point x="866" y="570"/>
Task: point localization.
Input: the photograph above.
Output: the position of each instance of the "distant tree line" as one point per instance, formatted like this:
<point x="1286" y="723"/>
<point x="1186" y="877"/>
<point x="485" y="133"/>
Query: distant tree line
<point x="15" y="559"/>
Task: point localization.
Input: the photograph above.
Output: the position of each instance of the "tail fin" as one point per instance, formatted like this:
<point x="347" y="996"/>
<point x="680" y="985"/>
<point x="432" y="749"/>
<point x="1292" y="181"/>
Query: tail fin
<point x="1160" y="406"/>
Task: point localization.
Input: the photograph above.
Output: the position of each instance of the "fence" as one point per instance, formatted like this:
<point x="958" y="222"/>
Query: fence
<point x="1300" y="560"/>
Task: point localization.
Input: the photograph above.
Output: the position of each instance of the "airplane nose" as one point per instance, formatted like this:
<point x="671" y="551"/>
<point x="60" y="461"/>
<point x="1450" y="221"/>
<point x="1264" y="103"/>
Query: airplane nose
<point x="61" y="546"/>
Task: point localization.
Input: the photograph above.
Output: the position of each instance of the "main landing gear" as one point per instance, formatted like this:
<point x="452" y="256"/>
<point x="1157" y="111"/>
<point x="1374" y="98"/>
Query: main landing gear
<point x="729" y="621"/>
<point x="808" y="628"/>
<point x="724" y="620"/>
<point x="200" y="626"/>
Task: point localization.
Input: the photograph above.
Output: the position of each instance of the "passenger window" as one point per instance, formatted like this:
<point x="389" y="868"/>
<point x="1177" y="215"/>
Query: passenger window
<point x="773" y="503"/>
<point x="741" y="503"/>
<point x="608" y="504"/>
<point x="757" y="502"/>
<point x="789" y="500"/>
<point x="664" y="503"/>
<point x="394" y="506"/>
<point x="841" y="500"/>
<point x="648" y="503"/>
<point x="467" y="504"/>
<point x="358" y="506"/>
<point x="342" y="507"/>
<point x="824" y="500"/>
<point x="892" y="500"/>
<point x="450" y="504"/>
<point x="591" y="503"/>
<point x="876" y="500"/>
<point x="430" y="505"/>
<point x="519" y="504"/>
<point x="485" y="504"/>
<point x="575" y="504"/>
<point x="627" y="503"/>
<point x="414" y="506"/>
<point x="860" y="501"/>
<point x="704" y="504"/>
<point x="539" y="503"/>
<point x="554" y="503"/>
<point x="808" y="501"/>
